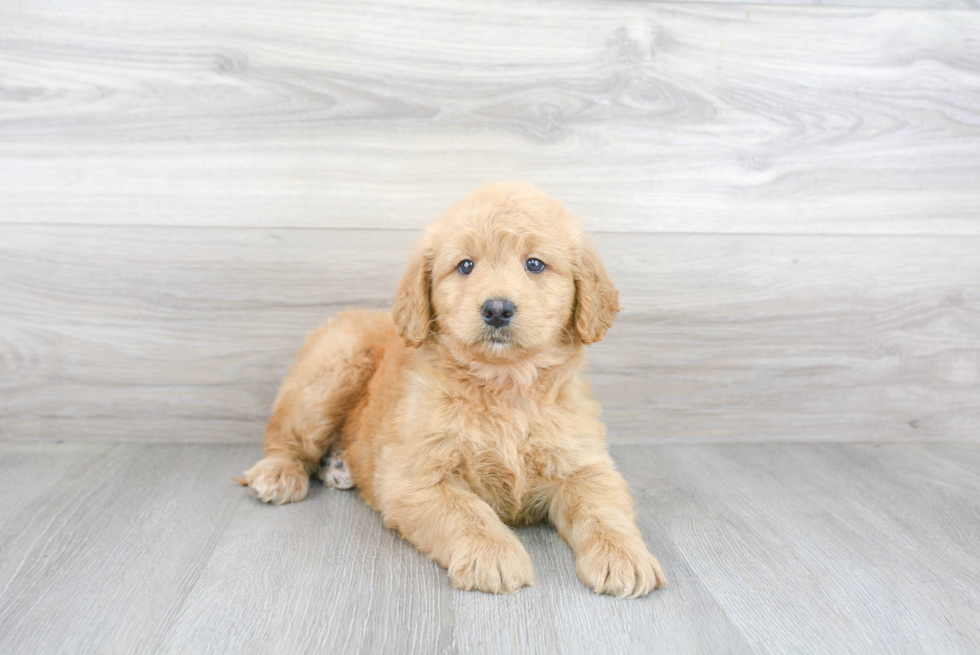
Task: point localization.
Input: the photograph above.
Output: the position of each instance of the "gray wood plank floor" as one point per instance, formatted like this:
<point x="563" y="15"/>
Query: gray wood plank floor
<point x="120" y="548"/>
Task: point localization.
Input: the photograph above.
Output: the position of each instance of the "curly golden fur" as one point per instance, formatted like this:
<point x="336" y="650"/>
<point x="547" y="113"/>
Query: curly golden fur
<point x="452" y="427"/>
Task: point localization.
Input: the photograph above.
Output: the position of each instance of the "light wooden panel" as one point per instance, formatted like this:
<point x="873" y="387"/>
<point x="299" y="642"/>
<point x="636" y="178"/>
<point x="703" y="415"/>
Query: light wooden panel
<point x="150" y="333"/>
<point x="879" y="4"/>
<point x="641" y="116"/>
<point x="768" y="549"/>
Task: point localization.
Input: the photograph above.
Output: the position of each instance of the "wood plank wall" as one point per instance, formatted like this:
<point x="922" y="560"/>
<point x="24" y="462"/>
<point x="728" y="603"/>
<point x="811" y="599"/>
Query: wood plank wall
<point x="788" y="197"/>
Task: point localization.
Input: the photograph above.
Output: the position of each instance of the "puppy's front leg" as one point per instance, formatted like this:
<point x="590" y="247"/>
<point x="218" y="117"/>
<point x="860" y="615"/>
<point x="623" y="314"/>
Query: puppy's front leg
<point x="461" y="532"/>
<point x="593" y="511"/>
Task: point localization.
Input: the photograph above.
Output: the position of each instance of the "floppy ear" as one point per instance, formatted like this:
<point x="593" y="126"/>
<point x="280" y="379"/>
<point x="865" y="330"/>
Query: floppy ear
<point x="412" y="311"/>
<point x="596" y="298"/>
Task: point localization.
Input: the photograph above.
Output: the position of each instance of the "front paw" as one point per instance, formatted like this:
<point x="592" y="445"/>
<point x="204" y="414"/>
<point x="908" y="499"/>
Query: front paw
<point x="491" y="565"/>
<point x="619" y="567"/>
<point x="278" y="480"/>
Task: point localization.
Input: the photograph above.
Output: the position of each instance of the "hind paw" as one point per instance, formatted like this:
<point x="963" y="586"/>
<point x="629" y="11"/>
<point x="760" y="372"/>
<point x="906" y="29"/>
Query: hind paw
<point x="278" y="480"/>
<point x="334" y="473"/>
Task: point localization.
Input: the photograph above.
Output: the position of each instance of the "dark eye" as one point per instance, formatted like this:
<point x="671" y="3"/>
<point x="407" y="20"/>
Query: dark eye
<point x="534" y="265"/>
<point x="465" y="267"/>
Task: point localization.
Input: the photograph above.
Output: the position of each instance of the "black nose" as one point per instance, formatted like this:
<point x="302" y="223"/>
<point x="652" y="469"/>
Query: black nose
<point x="498" y="312"/>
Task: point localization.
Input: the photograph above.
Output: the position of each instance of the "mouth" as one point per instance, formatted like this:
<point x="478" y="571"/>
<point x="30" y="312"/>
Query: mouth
<point x="498" y="337"/>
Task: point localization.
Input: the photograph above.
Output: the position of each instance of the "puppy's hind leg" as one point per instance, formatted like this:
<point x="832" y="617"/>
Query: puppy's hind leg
<point x="327" y="378"/>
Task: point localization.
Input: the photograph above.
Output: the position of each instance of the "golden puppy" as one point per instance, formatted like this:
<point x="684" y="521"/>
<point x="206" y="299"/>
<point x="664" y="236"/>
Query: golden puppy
<point x="463" y="410"/>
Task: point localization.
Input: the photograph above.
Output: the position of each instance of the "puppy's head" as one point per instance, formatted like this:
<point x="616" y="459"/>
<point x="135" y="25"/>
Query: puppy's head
<point x="505" y="274"/>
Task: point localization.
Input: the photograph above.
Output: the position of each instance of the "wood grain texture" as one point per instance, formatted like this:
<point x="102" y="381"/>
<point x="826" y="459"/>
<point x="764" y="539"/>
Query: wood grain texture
<point x="103" y="558"/>
<point x="29" y="477"/>
<point x="320" y="573"/>
<point x="769" y="548"/>
<point x="641" y="116"/>
<point x="879" y="4"/>
<point x="112" y="332"/>
<point x="826" y="548"/>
